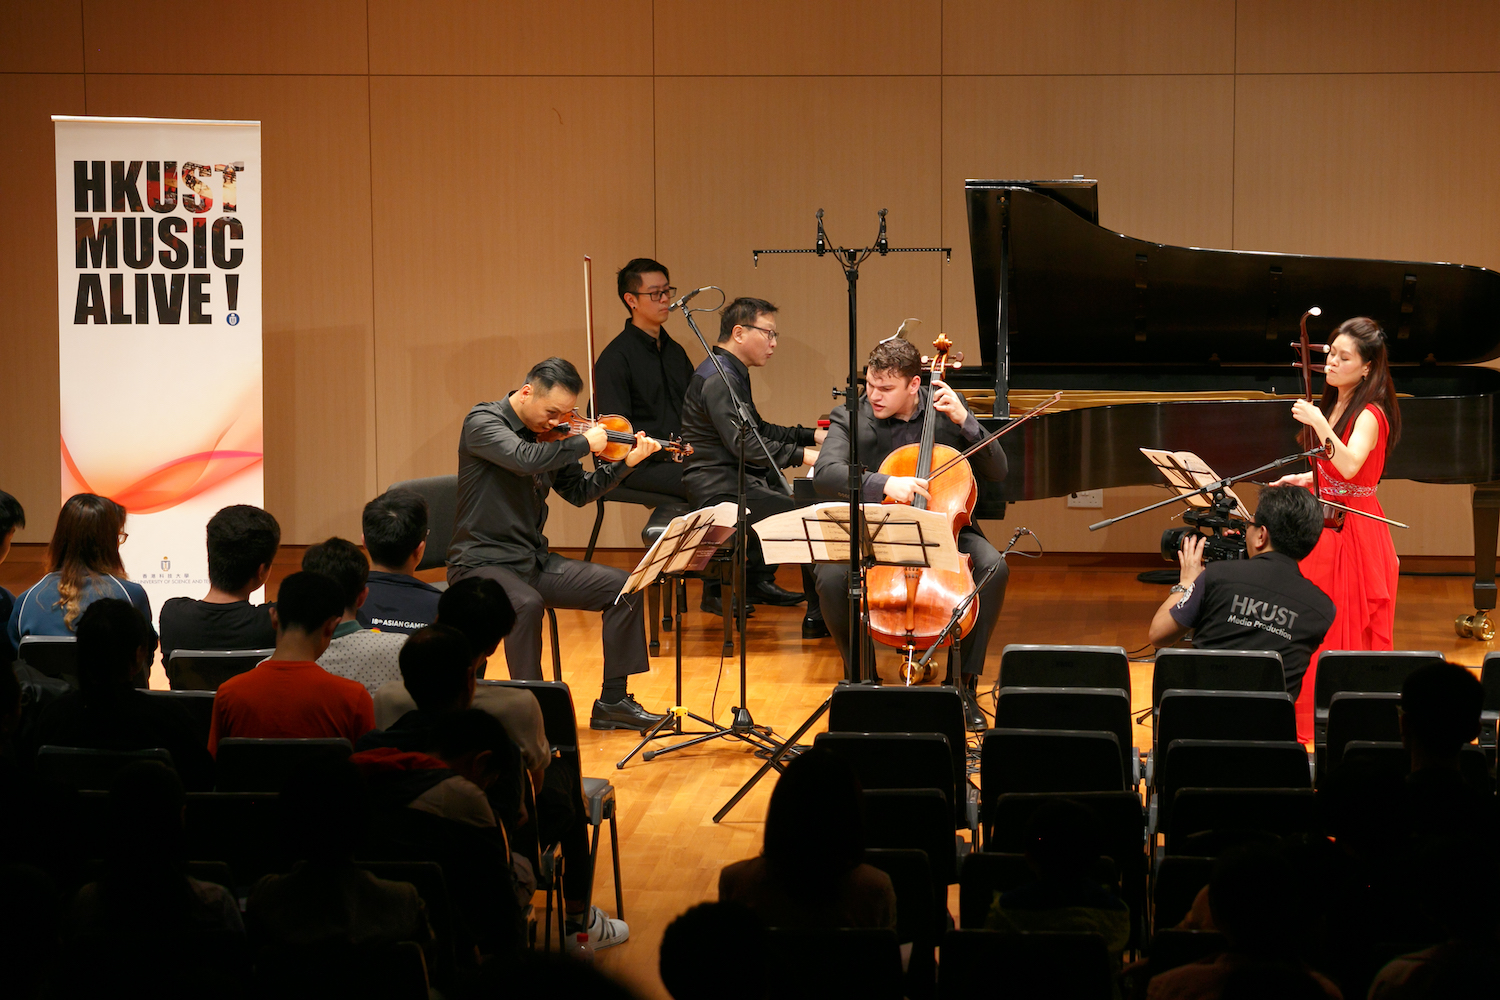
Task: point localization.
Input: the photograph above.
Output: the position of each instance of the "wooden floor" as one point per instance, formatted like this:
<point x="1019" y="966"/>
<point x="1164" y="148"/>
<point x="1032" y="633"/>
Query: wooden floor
<point x="671" y="850"/>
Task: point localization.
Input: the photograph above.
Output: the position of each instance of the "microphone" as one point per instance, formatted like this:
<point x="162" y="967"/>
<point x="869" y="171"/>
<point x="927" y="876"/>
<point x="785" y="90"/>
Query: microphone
<point x="822" y="236"/>
<point x="880" y="241"/>
<point x="679" y="303"/>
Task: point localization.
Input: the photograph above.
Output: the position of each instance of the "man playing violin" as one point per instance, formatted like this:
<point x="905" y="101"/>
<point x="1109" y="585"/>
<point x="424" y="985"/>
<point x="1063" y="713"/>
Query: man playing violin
<point x="504" y="475"/>
<point x="643" y="373"/>
<point x="891" y="414"/>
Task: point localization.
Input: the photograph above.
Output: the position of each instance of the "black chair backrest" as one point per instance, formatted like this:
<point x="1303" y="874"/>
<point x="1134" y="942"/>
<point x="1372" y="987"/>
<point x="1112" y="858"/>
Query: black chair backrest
<point x="895" y="760"/>
<point x="199" y="705"/>
<point x="894" y="709"/>
<point x="81" y="768"/>
<point x="1104" y="710"/>
<point x="54" y="655"/>
<point x="1174" y="887"/>
<point x="1036" y="760"/>
<point x="914" y="818"/>
<point x="1359" y="715"/>
<point x="263" y="765"/>
<point x="1389" y="755"/>
<point x="206" y="669"/>
<point x="556" y="702"/>
<point x="427" y="878"/>
<point x="1366" y="670"/>
<point x="1489" y="678"/>
<point x="1206" y="820"/>
<point x="1224" y="715"/>
<point x="441" y="494"/>
<point x="983" y="874"/>
<point x="1064" y="666"/>
<point x="238" y="828"/>
<point x="1228" y="764"/>
<point x="370" y="971"/>
<point x="816" y="964"/>
<point x="1216" y="670"/>
<point x="1052" y="965"/>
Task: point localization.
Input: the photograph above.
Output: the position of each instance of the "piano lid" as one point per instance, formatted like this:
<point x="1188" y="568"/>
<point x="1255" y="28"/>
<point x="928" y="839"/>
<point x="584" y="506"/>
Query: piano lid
<point x="1079" y="292"/>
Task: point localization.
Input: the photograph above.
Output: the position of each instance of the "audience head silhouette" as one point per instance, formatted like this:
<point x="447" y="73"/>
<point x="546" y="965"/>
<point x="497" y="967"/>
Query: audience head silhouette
<point x="12" y="517"/>
<point x="342" y="562"/>
<point x="815" y="823"/>
<point x="85" y="542"/>
<point x="114" y="646"/>
<point x="325" y="812"/>
<point x="242" y="542"/>
<point x="307" y="602"/>
<point x="707" y="939"/>
<point x="1253" y="895"/>
<point x="1062" y="840"/>
<point x="395" y="528"/>
<point x="474" y="743"/>
<point x="437" y="667"/>
<point x="478" y="607"/>
<point x="145" y="850"/>
<point x="1440" y="706"/>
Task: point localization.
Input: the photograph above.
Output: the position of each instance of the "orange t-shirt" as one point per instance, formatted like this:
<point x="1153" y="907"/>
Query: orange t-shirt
<point x="290" y="699"/>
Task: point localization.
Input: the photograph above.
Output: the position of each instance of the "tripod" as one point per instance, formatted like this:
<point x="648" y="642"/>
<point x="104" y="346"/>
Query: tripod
<point x="860" y="668"/>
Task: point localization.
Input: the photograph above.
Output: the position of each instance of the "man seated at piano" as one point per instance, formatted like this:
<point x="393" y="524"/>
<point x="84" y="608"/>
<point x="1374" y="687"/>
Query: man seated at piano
<point x="1263" y="602"/>
<point x="891" y="414"/>
<point x="747" y="339"/>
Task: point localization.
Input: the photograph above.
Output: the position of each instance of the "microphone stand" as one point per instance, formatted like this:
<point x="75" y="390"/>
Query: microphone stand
<point x="849" y="260"/>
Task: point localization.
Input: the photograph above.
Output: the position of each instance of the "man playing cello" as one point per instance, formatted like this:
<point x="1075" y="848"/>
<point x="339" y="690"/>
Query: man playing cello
<point x="891" y="414"/>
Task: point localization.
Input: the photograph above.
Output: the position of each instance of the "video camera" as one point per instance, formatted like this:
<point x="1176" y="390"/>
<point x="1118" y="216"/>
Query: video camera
<point x="1226" y="534"/>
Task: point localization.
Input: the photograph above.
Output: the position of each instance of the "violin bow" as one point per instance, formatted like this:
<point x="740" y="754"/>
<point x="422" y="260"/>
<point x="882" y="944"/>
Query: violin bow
<point x="1034" y="411"/>
<point x="588" y="323"/>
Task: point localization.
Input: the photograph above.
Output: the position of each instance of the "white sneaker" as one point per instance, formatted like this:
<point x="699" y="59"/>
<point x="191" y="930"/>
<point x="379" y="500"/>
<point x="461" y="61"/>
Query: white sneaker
<point x="604" y="931"/>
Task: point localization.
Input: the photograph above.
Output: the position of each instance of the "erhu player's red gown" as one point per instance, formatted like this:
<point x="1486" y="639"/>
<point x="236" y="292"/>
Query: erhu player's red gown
<point x="1357" y="567"/>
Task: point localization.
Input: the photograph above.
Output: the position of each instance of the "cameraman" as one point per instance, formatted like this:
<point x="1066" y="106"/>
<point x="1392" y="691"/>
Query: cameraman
<point x="1263" y="602"/>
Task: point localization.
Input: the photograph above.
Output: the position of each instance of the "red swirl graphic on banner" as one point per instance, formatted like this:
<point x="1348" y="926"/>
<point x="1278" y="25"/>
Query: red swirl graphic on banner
<point x="174" y="481"/>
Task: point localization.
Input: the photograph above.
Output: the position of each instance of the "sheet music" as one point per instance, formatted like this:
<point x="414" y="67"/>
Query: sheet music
<point x="1186" y="472"/>
<point x="895" y="535"/>
<point x="686" y="545"/>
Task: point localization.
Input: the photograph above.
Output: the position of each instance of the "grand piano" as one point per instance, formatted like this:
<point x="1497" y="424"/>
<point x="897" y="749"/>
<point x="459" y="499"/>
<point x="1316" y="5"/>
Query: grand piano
<point x="1188" y="349"/>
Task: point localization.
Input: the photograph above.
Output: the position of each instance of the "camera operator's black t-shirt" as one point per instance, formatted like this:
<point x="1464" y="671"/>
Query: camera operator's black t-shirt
<point x="1260" y="603"/>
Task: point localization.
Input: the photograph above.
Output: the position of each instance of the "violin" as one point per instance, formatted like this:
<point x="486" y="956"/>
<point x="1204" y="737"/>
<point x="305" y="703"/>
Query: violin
<point x="618" y="435"/>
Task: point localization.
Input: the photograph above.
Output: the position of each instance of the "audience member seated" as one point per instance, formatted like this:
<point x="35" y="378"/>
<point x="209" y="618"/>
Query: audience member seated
<point x="355" y="652"/>
<point x="1062" y="848"/>
<point x="84" y="565"/>
<point x="12" y="518"/>
<point x="242" y="543"/>
<point x="810" y="873"/>
<point x="32" y="914"/>
<point x="433" y="807"/>
<point x="1254" y="899"/>
<point x="146" y="924"/>
<point x="395" y="535"/>
<point x="107" y="712"/>
<point x="326" y="898"/>
<point x="707" y="939"/>
<point x="289" y="695"/>
<point x="1440" y="706"/>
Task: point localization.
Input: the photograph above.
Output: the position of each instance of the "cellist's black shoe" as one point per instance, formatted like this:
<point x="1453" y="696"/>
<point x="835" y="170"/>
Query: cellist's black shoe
<point x="766" y="592"/>
<point x="813" y="626"/>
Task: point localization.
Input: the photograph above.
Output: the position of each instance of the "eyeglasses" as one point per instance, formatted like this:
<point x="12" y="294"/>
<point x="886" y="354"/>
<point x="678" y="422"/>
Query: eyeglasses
<point x="770" y="334"/>
<point x="660" y="295"/>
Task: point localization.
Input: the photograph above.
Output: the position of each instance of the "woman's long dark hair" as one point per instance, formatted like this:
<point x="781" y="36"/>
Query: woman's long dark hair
<point x="1378" y="388"/>
<point x="815" y="823"/>
<point x="86" y="541"/>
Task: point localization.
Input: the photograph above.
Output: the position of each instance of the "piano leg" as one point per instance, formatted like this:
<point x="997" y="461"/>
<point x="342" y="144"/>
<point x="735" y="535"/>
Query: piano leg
<point x="1486" y="503"/>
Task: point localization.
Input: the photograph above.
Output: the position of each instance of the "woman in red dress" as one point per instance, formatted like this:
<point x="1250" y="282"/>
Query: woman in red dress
<point x="1356" y="566"/>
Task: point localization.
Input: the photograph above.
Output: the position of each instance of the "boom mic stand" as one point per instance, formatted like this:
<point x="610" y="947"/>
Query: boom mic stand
<point x="743" y="726"/>
<point x="849" y="259"/>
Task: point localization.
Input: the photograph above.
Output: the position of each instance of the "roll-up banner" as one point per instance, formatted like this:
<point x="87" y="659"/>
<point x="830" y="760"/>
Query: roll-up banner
<point x="159" y="329"/>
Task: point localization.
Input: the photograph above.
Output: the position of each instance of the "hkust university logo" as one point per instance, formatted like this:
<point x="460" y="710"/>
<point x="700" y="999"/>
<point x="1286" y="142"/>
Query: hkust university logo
<point x="166" y="563"/>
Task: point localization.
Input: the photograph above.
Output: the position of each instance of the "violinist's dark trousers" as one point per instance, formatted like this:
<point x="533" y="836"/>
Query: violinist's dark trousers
<point x="833" y="593"/>
<point x="567" y="583"/>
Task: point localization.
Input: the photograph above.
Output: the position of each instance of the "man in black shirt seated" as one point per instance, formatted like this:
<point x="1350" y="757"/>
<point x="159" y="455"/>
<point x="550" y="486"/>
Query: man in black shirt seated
<point x="395" y="535"/>
<point x="643" y="373"/>
<point x="242" y="542"/>
<point x="1263" y="602"/>
<point x="747" y="339"/>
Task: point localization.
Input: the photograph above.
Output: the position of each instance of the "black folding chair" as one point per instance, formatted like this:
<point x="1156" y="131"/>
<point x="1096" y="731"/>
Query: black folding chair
<point x="898" y="760"/>
<point x="1036" y="760"/>
<point x="1373" y="716"/>
<point x="1204" y="821"/>
<point x="1174" y="887"/>
<point x="914" y="818"/>
<point x="624" y="494"/>
<point x="1225" y="764"/>
<point x="983" y="875"/>
<point x="1024" y="665"/>
<point x="54" y="655"/>
<point x="199" y="706"/>
<point x="1362" y="670"/>
<point x="1069" y="709"/>
<point x="920" y="917"/>
<point x="895" y="709"/>
<point x="206" y="669"/>
<point x="817" y="964"/>
<point x="427" y="878"/>
<point x="239" y="828"/>
<point x="244" y="764"/>
<point x="1216" y="670"/>
<point x="83" y="769"/>
<point x="1388" y="755"/>
<point x="1052" y="965"/>
<point x="1223" y="715"/>
<point x="1489" y="715"/>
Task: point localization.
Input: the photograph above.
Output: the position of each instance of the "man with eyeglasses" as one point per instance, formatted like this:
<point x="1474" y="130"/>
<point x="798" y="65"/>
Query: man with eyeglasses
<point x="1263" y="602"/>
<point x="747" y="339"/>
<point x="643" y="373"/>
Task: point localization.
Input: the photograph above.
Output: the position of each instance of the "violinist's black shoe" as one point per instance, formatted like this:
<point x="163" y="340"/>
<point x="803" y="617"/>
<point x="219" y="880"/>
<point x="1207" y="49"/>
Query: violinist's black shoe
<point x="714" y="604"/>
<point x="766" y="592"/>
<point x="626" y="713"/>
<point x="813" y="626"/>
